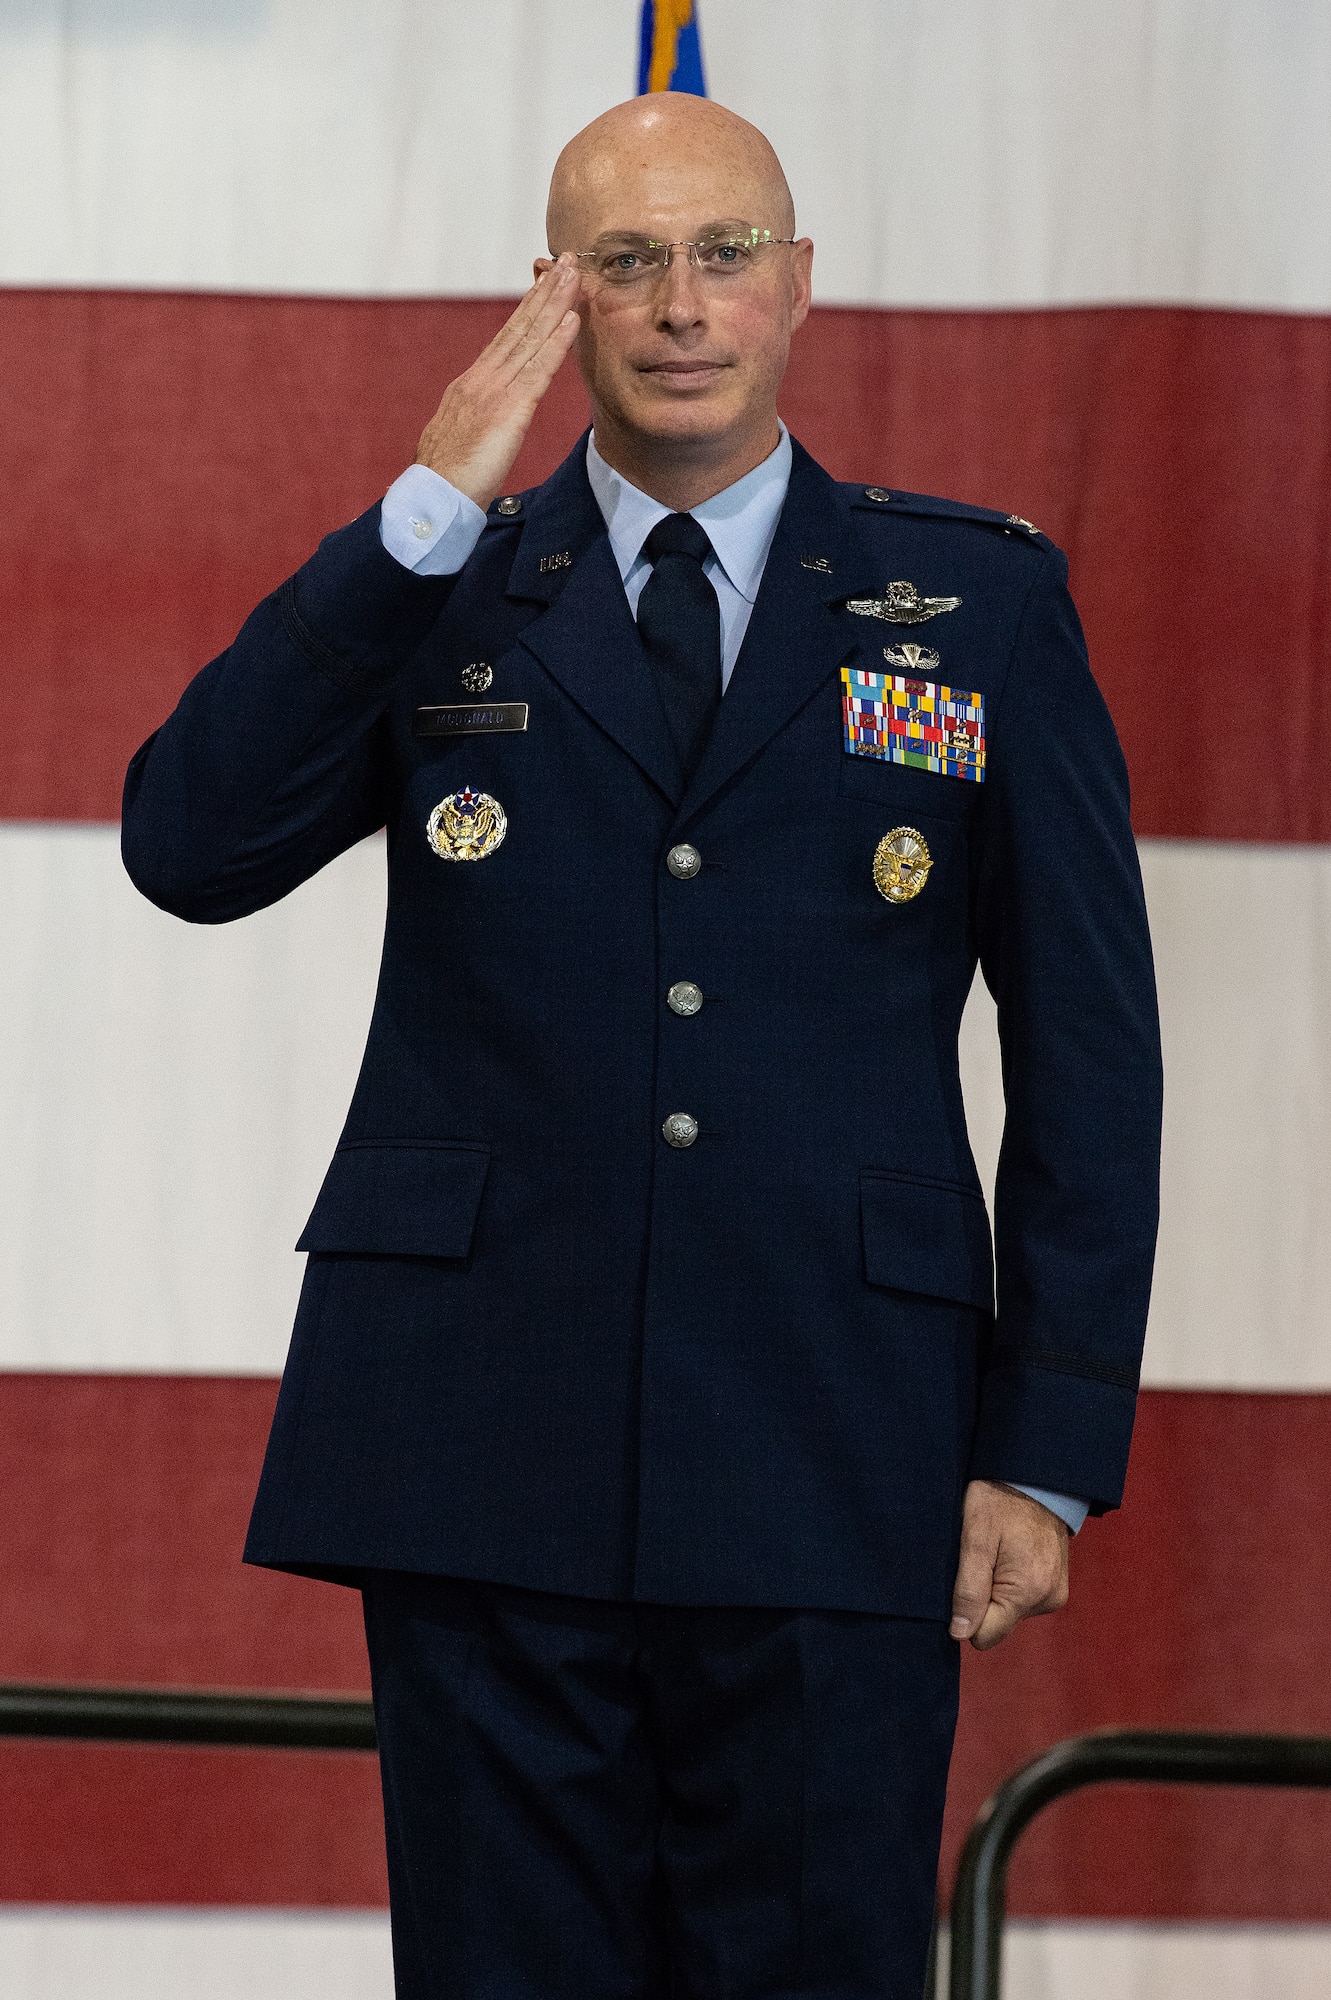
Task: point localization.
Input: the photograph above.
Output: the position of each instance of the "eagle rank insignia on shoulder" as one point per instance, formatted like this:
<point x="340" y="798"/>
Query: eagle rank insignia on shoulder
<point x="905" y="719"/>
<point x="901" y="604"/>
<point x="466" y="826"/>
<point x="901" y="864"/>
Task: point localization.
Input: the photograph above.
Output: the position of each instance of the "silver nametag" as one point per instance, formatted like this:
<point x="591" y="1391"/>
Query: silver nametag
<point x="470" y="719"/>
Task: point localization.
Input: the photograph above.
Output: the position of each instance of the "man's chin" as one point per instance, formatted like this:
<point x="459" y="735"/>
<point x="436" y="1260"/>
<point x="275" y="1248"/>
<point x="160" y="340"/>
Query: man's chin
<point x="698" y="418"/>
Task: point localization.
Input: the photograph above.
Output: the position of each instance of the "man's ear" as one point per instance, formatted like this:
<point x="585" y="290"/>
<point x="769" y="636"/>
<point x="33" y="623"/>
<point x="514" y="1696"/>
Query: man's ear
<point x="801" y="272"/>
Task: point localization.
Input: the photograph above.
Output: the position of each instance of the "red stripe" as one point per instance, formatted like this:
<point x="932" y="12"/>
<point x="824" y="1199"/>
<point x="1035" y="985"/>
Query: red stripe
<point x="125" y="1500"/>
<point x="118" y="1823"/>
<point x="167" y="459"/>
<point x="1201" y="1605"/>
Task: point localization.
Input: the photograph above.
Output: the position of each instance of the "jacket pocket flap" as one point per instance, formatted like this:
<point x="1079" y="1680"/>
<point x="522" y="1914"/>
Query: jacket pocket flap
<point x="926" y="1236"/>
<point x="414" y="1198"/>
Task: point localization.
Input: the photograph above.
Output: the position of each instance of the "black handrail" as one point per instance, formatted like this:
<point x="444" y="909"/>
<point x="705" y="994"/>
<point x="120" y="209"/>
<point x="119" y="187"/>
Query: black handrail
<point x="177" y="1715"/>
<point x="1134" y="1756"/>
<point x="979" y="1898"/>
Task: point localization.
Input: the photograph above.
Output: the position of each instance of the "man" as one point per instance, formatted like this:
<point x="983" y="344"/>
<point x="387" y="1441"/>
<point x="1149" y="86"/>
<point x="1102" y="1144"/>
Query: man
<point x="646" y="1377"/>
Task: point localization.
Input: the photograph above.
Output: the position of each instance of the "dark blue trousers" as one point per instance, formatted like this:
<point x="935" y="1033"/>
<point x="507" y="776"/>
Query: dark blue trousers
<point x="613" y="1801"/>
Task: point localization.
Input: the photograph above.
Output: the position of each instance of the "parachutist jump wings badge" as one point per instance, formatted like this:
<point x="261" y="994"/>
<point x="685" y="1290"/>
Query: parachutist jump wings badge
<point x="911" y="659"/>
<point x="901" y="604"/>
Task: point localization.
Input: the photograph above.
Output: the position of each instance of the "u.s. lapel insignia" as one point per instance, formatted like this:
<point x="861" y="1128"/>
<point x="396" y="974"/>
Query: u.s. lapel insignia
<point x="901" y="604"/>
<point x="904" y="719"/>
<point x="466" y="826"/>
<point x="901" y="864"/>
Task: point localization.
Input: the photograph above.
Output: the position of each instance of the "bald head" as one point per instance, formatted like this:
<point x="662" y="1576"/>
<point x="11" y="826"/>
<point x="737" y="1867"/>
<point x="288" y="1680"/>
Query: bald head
<point x="665" y="160"/>
<point x="682" y="359"/>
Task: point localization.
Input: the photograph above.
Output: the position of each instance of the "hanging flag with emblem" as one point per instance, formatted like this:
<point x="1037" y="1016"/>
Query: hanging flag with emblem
<point x="920" y="723"/>
<point x="669" y="51"/>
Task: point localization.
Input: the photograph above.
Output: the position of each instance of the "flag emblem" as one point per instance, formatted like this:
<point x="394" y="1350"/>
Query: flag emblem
<point x="669" y="51"/>
<point x="905" y="720"/>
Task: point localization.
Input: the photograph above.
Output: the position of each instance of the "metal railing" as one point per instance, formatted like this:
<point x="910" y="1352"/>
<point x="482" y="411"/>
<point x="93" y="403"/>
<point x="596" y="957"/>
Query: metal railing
<point x="160" y="1715"/>
<point x="1113" y="1756"/>
<point x="979" y="1898"/>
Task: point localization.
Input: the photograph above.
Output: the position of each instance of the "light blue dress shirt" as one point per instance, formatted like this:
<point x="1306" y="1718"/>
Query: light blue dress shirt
<point x="740" y="524"/>
<point x="431" y="528"/>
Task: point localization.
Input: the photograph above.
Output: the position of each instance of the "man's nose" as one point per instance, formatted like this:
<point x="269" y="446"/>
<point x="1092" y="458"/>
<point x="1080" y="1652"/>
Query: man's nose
<point x="679" y="290"/>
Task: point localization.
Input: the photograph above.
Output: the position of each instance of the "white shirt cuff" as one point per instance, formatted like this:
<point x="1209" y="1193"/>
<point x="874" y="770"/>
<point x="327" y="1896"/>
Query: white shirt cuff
<point x="1072" y="1511"/>
<point x="427" y="525"/>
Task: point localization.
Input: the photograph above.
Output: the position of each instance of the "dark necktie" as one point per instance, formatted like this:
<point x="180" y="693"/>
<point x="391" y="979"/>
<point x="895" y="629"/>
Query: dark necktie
<point x="679" y="623"/>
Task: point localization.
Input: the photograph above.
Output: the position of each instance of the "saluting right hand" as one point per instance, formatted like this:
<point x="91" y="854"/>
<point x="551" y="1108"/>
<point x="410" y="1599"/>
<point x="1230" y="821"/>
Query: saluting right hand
<point x="474" y="436"/>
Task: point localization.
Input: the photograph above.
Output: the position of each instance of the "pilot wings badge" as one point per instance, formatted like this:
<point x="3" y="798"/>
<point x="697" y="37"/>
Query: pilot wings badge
<point x="901" y="604"/>
<point x="466" y="826"/>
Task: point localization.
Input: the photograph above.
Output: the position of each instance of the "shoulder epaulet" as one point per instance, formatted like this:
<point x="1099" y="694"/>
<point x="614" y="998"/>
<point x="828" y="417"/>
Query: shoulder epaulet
<point x="891" y="500"/>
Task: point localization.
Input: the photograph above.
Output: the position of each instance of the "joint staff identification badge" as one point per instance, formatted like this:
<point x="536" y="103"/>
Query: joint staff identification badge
<point x="901" y="864"/>
<point x="466" y="826"/>
<point x="905" y="720"/>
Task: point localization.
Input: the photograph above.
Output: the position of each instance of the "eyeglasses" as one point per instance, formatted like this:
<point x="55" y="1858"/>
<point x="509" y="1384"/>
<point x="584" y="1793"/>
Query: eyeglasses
<point x="722" y="256"/>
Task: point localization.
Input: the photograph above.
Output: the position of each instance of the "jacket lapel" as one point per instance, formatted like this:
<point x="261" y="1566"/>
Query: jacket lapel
<point x="587" y="639"/>
<point x="795" y="637"/>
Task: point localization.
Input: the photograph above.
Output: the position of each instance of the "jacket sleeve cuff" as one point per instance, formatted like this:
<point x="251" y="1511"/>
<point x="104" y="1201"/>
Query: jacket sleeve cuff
<point x="1043" y="1425"/>
<point x="354" y="612"/>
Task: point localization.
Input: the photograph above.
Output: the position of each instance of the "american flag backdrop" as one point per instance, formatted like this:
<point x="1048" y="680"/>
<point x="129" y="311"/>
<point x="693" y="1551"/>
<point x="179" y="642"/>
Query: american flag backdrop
<point x="1073" y="261"/>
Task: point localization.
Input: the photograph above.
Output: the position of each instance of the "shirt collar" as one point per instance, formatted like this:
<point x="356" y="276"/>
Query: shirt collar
<point x="740" y="520"/>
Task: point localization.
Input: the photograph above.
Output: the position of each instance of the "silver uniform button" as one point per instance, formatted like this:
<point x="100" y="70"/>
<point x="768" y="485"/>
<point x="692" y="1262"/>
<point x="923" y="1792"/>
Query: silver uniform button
<point x="510" y="504"/>
<point x="421" y="529"/>
<point x="684" y="862"/>
<point x="679" y="1129"/>
<point x="684" y="997"/>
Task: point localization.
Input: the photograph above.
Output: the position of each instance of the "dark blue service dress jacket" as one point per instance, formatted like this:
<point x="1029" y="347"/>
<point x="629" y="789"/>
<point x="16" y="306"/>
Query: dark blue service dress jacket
<point x="539" y="1344"/>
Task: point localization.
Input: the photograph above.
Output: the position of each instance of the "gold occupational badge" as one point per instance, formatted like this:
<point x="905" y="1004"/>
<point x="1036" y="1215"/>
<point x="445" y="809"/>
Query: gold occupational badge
<point x="901" y="864"/>
<point x="901" y="604"/>
<point x="466" y="826"/>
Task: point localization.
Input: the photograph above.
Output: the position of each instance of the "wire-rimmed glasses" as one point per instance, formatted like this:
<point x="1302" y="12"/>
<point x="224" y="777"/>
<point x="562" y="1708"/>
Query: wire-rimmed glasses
<point x="723" y="255"/>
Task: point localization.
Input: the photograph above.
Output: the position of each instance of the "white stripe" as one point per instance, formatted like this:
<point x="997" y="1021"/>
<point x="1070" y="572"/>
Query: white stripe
<point x="153" y="1954"/>
<point x="1041" y="152"/>
<point x="1243" y="957"/>
<point x="171" y="1095"/>
<point x="1158" y="1961"/>
<point x="55" y="1953"/>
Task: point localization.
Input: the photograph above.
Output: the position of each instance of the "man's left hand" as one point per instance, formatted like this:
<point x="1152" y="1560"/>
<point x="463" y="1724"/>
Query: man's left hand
<point x="1014" y="1564"/>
